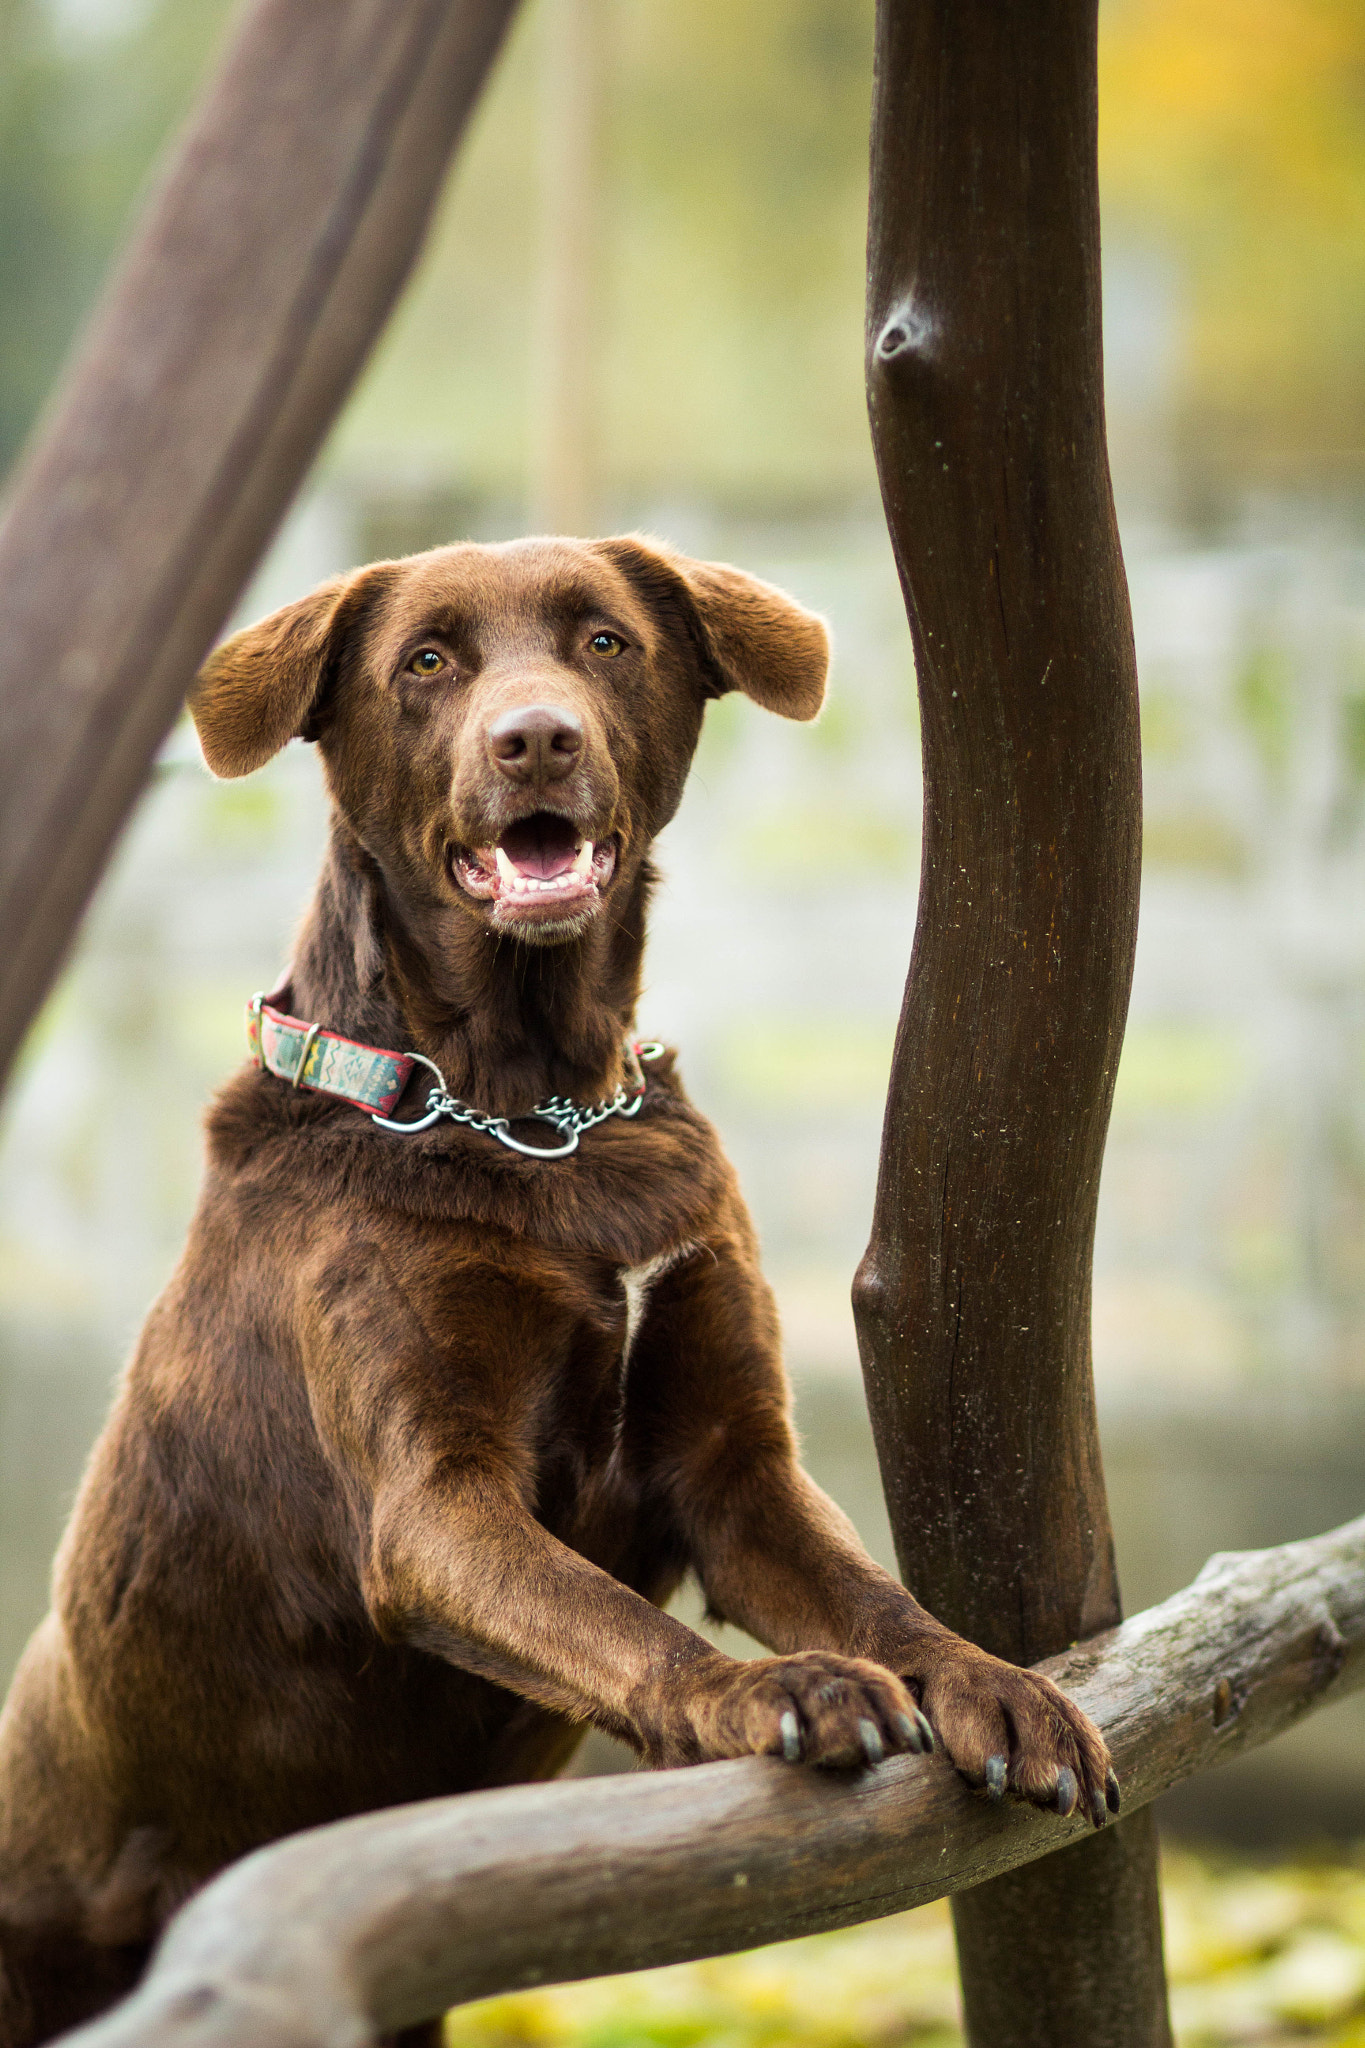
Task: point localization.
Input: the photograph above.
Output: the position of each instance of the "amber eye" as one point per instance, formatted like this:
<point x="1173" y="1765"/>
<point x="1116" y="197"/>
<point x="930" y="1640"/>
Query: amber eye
<point x="607" y="643"/>
<point x="426" y="663"/>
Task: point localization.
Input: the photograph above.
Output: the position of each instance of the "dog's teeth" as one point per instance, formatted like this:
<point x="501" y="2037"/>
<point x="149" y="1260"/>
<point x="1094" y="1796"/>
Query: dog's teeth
<point x="512" y="882"/>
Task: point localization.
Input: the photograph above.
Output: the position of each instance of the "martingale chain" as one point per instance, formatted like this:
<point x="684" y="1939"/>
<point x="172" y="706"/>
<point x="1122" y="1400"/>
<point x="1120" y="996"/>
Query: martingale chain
<point x="569" y="1118"/>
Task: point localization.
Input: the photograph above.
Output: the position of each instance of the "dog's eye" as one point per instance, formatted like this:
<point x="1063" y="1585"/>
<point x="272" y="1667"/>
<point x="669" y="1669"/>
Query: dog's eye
<point x="607" y="643"/>
<point x="426" y="663"/>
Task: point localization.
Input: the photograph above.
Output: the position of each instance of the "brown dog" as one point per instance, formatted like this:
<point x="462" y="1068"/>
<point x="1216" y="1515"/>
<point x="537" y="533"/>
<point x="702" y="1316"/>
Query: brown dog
<point x="424" y="1432"/>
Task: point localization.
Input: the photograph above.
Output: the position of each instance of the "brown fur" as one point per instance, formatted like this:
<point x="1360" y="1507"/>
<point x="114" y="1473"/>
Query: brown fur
<point x="386" y="1508"/>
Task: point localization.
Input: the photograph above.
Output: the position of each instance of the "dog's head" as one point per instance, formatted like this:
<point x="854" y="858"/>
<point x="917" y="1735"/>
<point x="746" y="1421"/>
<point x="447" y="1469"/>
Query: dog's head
<point x="507" y="728"/>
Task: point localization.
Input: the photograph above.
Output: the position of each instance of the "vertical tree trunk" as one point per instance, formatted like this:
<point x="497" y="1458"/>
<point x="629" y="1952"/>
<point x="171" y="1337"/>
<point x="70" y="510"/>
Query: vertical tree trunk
<point x="973" y="1301"/>
<point x="566" y="428"/>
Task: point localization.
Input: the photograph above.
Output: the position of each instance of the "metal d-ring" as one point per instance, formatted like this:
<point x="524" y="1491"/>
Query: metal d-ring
<point x="421" y="1123"/>
<point x="310" y="1038"/>
<point x="500" y="1131"/>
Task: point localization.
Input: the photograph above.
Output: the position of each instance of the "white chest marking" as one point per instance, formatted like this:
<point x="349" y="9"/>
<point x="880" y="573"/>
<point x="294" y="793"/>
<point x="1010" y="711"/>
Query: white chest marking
<point x="636" y="1282"/>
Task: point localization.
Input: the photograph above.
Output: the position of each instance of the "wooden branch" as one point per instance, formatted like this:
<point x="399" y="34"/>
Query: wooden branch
<point x="383" y="1921"/>
<point x="263" y="270"/>
<point x="973" y="1301"/>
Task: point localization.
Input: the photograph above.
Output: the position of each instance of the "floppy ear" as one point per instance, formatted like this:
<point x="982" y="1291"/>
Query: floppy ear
<point x="265" y="685"/>
<point x="747" y="635"/>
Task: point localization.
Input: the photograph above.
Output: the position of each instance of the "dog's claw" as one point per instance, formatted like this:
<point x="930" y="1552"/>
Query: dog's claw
<point x="996" y="1769"/>
<point x="871" y="1740"/>
<point x="1112" y="1796"/>
<point x="1067" y="1792"/>
<point x="912" y="1732"/>
<point x="790" y="1731"/>
<point x="919" y="1736"/>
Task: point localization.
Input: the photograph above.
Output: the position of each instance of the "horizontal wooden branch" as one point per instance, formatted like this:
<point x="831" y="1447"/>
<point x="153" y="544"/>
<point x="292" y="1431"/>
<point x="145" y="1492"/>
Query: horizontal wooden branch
<point x="265" y="265"/>
<point x="379" y="1922"/>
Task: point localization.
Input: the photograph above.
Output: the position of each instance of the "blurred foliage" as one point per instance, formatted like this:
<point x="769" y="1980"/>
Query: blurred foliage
<point x="828" y="845"/>
<point x="238" y="816"/>
<point x="88" y="92"/>
<point x="1181" y="1069"/>
<point x="1353" y="734"/>
<point x="1232" y="135"/>
<point x="1165" y="717"/>
<point x="733" y="221"/>
<point x="1255" y="1954"/>
<point x="1195" y="840"/>
<point x="40" y="231"/>
<point x="781" y="1060"/>
<point x="733" y="210"/>
<point x="1263" y="700"/>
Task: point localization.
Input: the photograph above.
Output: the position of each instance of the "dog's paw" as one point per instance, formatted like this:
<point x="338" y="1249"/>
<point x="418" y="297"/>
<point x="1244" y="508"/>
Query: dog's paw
<point x="841" y="1712"/>
<point x="1009" y="1731"/>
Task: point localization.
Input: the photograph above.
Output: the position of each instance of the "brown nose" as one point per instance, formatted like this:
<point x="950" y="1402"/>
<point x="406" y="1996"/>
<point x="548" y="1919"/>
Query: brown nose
<point x="536" y="743"/>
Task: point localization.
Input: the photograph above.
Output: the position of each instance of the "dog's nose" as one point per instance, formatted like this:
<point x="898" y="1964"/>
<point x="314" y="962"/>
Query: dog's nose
<point x="536" y="743"/>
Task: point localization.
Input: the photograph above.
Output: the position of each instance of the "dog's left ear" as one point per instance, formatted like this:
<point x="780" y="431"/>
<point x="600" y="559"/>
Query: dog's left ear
<point x="268" y="683"/>
<point x="747" y="635"/>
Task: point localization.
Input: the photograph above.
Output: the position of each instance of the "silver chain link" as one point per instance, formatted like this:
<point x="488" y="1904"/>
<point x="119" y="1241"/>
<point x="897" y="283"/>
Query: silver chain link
<point x="569" y="1118"/>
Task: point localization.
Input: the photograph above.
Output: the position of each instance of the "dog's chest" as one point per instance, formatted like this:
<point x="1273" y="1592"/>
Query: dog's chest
<point x="600" y="1386"/>
<point x="588" y="1481"/>
<point x="637" y="1283"/>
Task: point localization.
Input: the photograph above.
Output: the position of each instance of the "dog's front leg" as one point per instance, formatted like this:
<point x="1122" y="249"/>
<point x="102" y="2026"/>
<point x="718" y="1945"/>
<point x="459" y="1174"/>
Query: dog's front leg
<point x="460" y="1568"/>
<point x="437" y="1438"/>
<point x="777" y="1557"/>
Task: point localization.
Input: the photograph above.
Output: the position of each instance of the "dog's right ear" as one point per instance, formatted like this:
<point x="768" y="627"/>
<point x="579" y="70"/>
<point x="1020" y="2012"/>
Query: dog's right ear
<point x="745" y="634"/>
<point x="266" y="685"/>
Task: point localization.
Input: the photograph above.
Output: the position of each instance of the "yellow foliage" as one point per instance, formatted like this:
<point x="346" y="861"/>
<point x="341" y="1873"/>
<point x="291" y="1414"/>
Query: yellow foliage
<point x="1234" y="130"/>
<point x="1255" y="1954"/>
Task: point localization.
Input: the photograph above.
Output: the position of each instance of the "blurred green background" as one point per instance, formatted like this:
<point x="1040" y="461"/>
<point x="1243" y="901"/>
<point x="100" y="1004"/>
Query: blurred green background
<point x="641" y="306"/>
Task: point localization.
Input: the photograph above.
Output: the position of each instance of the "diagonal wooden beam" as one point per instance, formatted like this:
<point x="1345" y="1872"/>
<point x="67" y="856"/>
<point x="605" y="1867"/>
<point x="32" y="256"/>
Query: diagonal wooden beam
<point x="264" y="267"/>
<point x="986" y="395"/>
<point x="348" y="1931"/>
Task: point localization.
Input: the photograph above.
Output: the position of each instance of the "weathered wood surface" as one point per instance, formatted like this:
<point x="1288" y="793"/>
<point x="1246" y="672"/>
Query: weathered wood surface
<point x="325" y="1940"/>
<point x="265" y="265"/>
<point x="973" y="1301"/>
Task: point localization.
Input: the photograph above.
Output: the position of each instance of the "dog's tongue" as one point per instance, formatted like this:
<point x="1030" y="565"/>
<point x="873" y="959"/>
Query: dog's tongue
<point x="542" y="846"/>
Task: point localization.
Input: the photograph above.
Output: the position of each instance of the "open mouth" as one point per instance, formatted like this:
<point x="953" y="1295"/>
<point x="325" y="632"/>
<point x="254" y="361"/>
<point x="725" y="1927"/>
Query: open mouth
<point x="542" y="864"/>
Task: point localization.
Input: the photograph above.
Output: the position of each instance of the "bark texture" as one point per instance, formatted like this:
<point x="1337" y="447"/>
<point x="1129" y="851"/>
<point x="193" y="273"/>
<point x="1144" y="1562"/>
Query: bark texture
<point x="973" y="1302"/>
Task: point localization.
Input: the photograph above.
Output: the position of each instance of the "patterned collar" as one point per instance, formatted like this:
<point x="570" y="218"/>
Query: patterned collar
<point x="310" y="1056"/>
